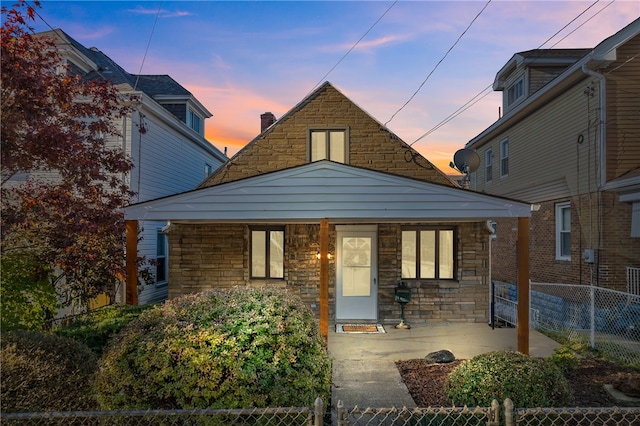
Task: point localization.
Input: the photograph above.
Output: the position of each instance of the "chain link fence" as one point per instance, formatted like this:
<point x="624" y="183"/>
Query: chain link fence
<point x="496" y="415"/>
<point x="242" y="417"/>
<point x="608" y="320"/>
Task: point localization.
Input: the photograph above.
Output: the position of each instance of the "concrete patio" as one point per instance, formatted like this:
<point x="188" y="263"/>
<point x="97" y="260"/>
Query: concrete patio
<point x="364" y="371"/>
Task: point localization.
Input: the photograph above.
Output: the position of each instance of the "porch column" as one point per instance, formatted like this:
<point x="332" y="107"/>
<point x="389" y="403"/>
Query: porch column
<point x="324" y="278"/>
<point x="131" y="297"/>
<point x="523" y="285"/>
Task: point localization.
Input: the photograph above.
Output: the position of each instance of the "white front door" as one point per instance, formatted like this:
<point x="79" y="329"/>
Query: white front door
<point x="356" y="272"/>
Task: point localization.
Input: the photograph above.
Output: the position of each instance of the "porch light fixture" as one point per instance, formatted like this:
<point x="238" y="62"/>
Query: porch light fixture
<point x="318" y="255"/>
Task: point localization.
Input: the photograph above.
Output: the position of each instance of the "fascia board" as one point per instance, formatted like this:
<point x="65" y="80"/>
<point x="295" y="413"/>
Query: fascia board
<point x="315" y="191"/>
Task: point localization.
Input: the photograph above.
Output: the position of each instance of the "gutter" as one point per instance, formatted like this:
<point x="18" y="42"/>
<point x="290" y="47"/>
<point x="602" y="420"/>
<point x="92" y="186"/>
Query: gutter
<point x="603" y="121"/>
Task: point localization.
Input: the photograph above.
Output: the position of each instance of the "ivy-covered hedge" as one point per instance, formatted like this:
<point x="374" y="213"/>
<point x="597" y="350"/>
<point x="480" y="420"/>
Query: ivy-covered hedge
<point x="44" y="372"/>
<point x="220" y="349"/>
<point x="527" y="381"/>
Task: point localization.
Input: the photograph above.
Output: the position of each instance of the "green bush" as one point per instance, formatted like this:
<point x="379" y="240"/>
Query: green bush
<point x="95" y="328"/>
<point x="44" y="372"/>
<point x="25" y="291"/>
<point x="528" y="382"/>
<point x="564" y="358"/>
<point x="221" y="349"/>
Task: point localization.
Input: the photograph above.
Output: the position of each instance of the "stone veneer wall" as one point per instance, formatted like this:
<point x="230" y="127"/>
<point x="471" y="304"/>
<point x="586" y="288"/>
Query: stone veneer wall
<point x="207" y="256"/>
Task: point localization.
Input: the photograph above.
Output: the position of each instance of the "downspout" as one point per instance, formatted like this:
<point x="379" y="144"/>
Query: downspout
<point x="602" y="157"/>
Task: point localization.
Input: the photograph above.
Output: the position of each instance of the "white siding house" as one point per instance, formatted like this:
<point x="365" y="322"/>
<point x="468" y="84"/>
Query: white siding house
<point x="163" y="135"/>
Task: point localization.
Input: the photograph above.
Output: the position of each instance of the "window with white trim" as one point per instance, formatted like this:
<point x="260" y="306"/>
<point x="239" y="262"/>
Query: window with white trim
<point x="329" y="144"/>
<point x="428" y="253"/>
<point x="267" y="252"/>
<point x="504" y="158"/>
<point x="161" y="257"/>
<point x="208" y="170"/>
<point x="488" y="165"/>
<point x="563" y="231"/>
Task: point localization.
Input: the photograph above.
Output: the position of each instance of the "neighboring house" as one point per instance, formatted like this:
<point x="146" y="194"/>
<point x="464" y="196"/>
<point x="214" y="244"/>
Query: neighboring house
<point x="569" y="143"/>
<point x="163" y="135"/>
<point x="331" y="205"/>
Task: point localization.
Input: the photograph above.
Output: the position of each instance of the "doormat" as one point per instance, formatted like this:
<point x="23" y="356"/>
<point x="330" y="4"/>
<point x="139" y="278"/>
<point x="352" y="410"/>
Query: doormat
<point x="360" y="328"/>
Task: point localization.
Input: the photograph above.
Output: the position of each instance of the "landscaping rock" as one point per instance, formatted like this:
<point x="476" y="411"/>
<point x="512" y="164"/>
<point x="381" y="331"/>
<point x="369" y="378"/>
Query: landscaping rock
<point x="628" y="385"/>
<point x="440" y="357"/>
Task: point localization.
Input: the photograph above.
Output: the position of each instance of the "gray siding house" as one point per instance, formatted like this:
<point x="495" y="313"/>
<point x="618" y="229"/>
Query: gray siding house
<point x="569" y="143"/>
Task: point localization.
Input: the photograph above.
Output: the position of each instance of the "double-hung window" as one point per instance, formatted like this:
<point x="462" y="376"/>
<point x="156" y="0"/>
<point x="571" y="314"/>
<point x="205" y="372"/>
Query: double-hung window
<point x="504" y="158"/>
<point x="515" y="91"/>
<point x="193" y="121"/>
<point x="328" y="144"/>
<point x="488" y="165"/>
<point x="563" y="231"/>
<point x="428" y="253"/>
<point x="161" y="257"/>
<point x="267" y="252"/>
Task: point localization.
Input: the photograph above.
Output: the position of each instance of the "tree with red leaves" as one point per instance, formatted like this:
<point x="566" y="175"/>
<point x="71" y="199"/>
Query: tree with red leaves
<point x="63" y="183"/>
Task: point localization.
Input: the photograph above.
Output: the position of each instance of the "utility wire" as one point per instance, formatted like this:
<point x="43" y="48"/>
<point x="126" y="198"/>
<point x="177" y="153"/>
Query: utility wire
<point x="354" y="46"/>
<point x="439" y="62"/>
<point x="480" y="95"/>
<point x="144" y="57"/>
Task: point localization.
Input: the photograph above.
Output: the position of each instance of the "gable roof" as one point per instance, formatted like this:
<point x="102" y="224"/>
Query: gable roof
<point x="284" y="144"/>
<point x="325" y="189"/>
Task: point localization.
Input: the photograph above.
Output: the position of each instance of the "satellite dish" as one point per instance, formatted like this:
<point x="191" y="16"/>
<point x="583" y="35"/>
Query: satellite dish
<point x="466" y="160"/>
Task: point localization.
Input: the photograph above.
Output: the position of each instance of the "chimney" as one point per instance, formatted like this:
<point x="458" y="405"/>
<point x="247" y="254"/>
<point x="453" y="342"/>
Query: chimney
<point x="266" y="120"/>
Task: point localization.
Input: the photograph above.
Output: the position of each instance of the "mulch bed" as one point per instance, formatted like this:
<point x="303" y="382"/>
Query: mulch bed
<point x="425" y="381"/>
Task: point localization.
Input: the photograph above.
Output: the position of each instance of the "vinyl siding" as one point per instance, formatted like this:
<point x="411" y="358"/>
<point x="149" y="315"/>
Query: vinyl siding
<point x="545" y="153"/>
<point x="623" y="110"/>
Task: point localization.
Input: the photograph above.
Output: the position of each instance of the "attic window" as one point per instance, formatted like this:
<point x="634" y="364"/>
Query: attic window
<point x="329" y="144"/>
<point x="193" y="121"/>
<point x="515" y="92"/>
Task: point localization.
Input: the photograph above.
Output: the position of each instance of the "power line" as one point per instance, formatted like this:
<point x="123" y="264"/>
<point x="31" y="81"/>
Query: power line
<point x="144" y="57"/>
<point x="480" y="95"/>
<point x="439" y="62"/>
<point x="354" y="46"/>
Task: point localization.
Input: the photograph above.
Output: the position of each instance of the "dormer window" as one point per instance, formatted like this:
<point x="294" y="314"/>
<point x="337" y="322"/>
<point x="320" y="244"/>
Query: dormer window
<point x="515" y="92"/>
<point x="193" y="121"/>
<point x="329" y="144"/>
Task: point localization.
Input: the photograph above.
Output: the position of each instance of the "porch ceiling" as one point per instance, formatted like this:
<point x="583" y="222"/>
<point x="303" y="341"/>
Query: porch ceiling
<point x="330" y="190"/>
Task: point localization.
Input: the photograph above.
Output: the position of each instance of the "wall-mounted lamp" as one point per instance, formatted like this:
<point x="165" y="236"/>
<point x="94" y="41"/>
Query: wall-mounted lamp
<point x="318" y="256"/>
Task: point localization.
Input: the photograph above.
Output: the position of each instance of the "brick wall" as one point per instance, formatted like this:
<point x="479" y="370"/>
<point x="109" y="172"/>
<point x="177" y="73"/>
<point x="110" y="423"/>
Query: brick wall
<point x="614" y="248"/>
<point x="206" y="256"/>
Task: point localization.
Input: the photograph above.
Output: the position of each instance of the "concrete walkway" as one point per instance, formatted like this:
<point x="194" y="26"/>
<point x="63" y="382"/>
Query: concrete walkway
<point x="364" y="371"/>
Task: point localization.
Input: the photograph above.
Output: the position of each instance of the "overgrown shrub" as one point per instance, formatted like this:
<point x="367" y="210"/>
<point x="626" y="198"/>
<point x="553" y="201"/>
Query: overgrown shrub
<point x="221" y="349"/>
<point x="44" y="372"/>
<point x="95" y="328"/>
<point x="527" y="381"/>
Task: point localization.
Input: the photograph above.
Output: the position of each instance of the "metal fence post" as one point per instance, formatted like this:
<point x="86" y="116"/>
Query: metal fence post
<point x="343" y="414"/>
<point x="509" y="419"/>
<point x="318" y="412"/>
<point x="494" y="414"/>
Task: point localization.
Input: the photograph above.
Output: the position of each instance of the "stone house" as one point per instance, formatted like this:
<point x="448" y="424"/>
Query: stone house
<point x="331" y="205"/>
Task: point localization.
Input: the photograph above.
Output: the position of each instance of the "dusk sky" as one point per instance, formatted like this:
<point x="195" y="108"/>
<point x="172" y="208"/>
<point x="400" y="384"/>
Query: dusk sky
<point x="240" y="59"/>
